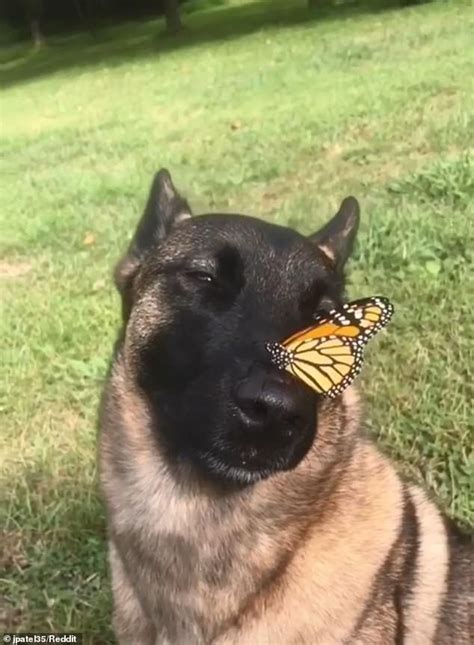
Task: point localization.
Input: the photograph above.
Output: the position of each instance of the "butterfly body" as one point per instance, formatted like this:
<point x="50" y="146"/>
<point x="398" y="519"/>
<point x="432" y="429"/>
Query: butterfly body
<point x="328" y="355"/>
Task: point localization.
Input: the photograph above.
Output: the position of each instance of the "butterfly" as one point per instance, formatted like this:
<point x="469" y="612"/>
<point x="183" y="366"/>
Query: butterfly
<point x="328" y="355"/>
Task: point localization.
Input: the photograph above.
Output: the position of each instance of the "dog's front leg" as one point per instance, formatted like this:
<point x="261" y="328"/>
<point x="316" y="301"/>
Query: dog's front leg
<point x="130" y="623"/>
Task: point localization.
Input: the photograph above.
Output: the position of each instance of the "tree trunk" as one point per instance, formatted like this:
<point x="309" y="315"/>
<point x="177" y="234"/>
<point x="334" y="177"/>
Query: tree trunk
<point x="36" y="33"/>
<point x="33" y="10"/>
<point x="79" y="10"/>
<point x="172" y="16"/>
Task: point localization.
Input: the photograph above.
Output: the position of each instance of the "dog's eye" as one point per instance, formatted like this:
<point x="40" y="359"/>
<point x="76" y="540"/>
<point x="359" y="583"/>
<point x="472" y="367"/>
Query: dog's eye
<point x="201" y="276"/>
<point x="324" y="307"/>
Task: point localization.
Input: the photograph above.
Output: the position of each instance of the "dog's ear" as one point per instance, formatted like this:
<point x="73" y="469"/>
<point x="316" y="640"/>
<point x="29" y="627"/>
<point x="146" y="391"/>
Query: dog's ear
<point x="164" y="209"/>
<point x="336" y="238"/>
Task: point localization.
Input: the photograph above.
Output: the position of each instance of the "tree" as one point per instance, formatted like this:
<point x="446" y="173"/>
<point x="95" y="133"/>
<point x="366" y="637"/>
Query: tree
<point x="34" y="9"/>
<point x="172" y="16"/>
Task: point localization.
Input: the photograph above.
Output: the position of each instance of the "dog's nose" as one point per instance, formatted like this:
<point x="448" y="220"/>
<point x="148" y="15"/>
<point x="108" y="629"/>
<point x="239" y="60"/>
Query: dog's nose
<point x="267" y="399"/>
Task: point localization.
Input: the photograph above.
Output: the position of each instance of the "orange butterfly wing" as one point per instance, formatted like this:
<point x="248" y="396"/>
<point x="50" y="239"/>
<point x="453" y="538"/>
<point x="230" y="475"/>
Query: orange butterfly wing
<point x="329" y="355"/>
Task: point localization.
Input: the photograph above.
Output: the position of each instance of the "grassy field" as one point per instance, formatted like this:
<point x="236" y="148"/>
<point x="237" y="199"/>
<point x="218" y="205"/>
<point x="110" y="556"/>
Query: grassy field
<point x="258" y="108"/>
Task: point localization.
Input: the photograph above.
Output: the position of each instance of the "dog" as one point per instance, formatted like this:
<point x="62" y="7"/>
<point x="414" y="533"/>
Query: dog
<point x="242" y="508"/>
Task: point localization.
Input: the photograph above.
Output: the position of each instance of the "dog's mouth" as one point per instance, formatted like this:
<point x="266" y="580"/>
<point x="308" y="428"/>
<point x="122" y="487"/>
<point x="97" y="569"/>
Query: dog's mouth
<point x="247" y="472"/>
<point x="239" y="433"/>
<point x="249" y="457"/>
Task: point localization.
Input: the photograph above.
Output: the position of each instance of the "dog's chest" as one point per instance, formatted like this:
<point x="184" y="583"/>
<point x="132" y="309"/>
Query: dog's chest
<point x="199" y="564"/>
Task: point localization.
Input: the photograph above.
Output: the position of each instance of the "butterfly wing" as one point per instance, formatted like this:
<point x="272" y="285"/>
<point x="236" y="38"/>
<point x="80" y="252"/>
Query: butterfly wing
<point x="327" y="364"/>
<point x="329" y="355"/>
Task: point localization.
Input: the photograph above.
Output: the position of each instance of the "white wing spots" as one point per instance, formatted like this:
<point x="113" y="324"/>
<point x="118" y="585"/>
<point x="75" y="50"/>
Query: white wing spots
<point x="303" y="361"/>
<point x="281" y="357"/>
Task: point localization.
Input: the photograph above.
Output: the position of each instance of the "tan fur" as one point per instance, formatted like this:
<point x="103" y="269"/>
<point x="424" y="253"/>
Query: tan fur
<point x="337" y="551"/>
<point x="430" y="582"/>
<point x="129" y="620"/>
<point x="338" y="579"/>
<point x="328" y="252"/>
<point x="302" y="566"/>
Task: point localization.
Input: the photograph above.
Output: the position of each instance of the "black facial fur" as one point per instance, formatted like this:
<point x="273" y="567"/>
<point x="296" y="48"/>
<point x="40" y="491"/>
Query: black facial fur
<point x="219" y="287"/>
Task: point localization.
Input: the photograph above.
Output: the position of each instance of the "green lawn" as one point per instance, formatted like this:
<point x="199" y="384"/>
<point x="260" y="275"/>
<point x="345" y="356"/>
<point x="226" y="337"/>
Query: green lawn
<point x="258" y="108"/>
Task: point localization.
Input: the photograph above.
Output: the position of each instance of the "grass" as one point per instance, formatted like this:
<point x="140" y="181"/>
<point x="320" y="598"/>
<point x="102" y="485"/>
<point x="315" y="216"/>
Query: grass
<point x="258" y="108"/>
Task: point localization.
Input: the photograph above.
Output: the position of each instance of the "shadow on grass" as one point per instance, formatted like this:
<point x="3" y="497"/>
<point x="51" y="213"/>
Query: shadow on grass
<point x="111" y="46"/>
<point x="54" y="557"/>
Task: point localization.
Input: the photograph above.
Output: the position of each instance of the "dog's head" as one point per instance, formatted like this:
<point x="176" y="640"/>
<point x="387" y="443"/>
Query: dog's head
<point x="201" y="297"/>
